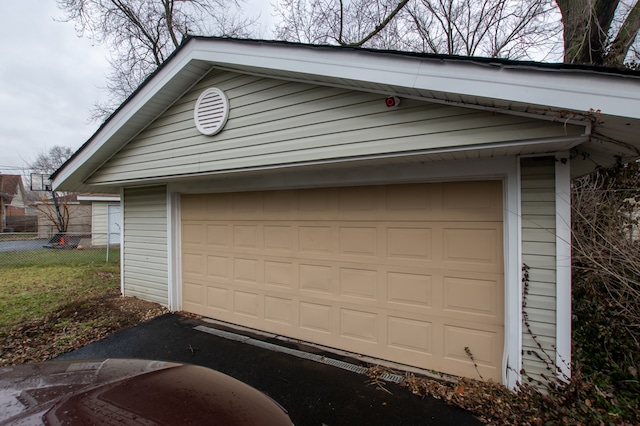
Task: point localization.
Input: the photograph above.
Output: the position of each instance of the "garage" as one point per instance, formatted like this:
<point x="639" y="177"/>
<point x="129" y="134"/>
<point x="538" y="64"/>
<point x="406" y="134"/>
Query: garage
<point x="408" y="273"/>
<point x="312" y="208"/>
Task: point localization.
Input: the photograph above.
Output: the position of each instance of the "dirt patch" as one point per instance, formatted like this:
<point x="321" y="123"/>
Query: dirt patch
<point x="73" y="327"/>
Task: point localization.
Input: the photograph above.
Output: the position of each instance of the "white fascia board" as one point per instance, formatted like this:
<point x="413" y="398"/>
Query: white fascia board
<point x="309" y="61"/>
<point x="120" y="119"/>
<point x="563" y="89"/>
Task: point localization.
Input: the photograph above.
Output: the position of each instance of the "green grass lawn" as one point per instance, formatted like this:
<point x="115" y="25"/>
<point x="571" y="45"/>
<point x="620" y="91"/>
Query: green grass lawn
<point x="56" y="301"/>
<point x="28" y="292"/>
<point x="52" y="257"/>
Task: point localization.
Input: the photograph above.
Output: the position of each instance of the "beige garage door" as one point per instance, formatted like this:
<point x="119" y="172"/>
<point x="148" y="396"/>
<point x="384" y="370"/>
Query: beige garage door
<point x="406" y="273"/>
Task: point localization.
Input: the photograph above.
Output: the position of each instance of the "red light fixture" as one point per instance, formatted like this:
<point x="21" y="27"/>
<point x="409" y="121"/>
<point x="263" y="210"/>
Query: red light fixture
<point x="392" y="101"/>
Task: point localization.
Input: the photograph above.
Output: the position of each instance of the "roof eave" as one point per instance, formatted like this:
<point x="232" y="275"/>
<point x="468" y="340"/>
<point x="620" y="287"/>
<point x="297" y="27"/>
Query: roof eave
<point x="580" y="91"/>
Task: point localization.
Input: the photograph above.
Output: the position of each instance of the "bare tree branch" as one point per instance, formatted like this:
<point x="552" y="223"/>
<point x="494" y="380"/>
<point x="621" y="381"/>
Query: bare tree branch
<point x="627" y="34"/>
<point x="382" y="24"/>
<point x="141" y="34"/>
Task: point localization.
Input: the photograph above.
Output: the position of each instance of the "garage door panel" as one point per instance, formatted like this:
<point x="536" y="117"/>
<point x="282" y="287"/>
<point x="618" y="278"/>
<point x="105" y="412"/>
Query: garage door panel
<point x="472" y="248"/>
<point x="316" y="278"/>
<point x="219" y="298"/>
<point x="247" y="271"/>
<point x="277" y="203"/>
<point x="192" y="234"/>
<point x="246" y="205"/>
<point x="358" y="283"/>
<point x="410" y="243"/>
<point x="412" y="289"/>
<point x="408" y="273"/>
<point x="279" y="274"/>
<point x="247" y="303"/>
<point x="193" y="208"/>
<point x="280" y="310"/>
<point x="315" y="239"/>
<point x="317" y="317"/>
<point x="193" y="264"/>
<point x="218" y="235"/>
<point x="481" y="344"/>
<point x="247" y="236"/>
<point x="360" y="241"/>
<point x="278" y="239"/>
<point x="363" y="200"/>
<point x="472" y="201"/>
<point x="473" y="297"/>
<point x="359" y="325"/>
<point x="405" y="334"/>
<point x="218" y="267"/>
<point x="412" y="202"/>
<point x="193" y="293"/>
<point x="316" y="204"/>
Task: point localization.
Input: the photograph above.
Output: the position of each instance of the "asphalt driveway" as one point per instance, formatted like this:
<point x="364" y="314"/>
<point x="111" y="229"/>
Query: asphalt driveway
<point x="314" y="393"/>
<point x="22" y="245"/>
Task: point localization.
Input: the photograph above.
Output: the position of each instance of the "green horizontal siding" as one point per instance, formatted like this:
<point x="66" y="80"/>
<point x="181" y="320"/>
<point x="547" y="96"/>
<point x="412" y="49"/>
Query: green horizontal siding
<point x="539" y="253"/>
<point x="145" y="244"/>
<point x="273" y="122"/>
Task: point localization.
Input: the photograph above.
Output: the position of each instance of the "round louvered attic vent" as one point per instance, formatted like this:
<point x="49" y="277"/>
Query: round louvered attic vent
<point x="211" y="112"/>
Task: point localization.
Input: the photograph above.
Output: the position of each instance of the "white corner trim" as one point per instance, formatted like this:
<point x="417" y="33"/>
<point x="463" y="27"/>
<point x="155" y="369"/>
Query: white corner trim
<point x="174" y="290"/>
<point x="563" y="264"/>
<point x="512" y="358"/>
<point x="122" y="247"/>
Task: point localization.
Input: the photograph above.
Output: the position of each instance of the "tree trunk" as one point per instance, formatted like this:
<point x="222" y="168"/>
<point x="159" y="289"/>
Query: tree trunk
<point x="625" y="38"/>
<point x="586" y="28"/>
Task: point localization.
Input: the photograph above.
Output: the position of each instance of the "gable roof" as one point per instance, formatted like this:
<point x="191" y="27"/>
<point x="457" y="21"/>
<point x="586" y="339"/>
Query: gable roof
<point x="11" y="184"/>
<point x="605" y="101"/>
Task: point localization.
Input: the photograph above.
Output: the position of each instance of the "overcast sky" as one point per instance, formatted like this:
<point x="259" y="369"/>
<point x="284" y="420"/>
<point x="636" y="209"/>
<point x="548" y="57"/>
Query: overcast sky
<point x="50" y="79"/>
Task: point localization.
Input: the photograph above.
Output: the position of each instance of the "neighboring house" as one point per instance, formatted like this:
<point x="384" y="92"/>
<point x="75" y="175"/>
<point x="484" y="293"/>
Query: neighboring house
<point x="77" y="215"/>
<point x="291" y="199"/>
<point x="15" y="205"/>
<point x="105" y="218"/>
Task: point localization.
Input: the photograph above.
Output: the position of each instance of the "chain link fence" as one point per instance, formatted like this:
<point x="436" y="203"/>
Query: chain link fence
<point x="32" y="249"/>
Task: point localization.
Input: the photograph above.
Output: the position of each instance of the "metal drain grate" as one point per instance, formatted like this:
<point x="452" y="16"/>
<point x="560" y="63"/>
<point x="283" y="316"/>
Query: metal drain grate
<point x="300" y="354"/>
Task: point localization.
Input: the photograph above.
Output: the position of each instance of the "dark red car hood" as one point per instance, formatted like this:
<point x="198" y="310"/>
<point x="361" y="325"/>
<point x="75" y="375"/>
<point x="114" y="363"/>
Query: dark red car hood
<point x="125" y="391"/>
